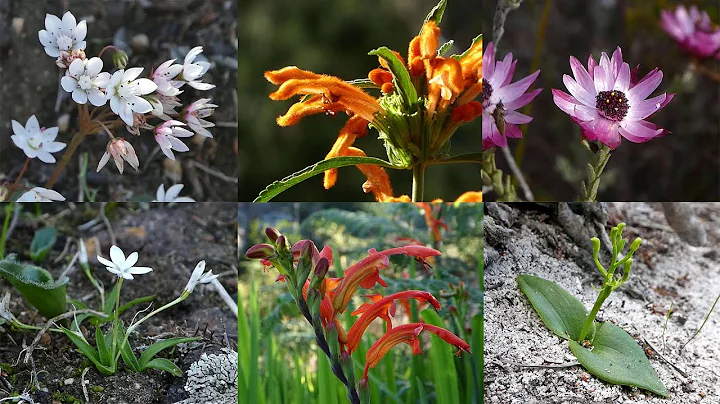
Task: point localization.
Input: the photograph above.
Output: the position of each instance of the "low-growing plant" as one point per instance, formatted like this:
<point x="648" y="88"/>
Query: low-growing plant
<point x="604" y="349"/>
<point x="323" y="300"/>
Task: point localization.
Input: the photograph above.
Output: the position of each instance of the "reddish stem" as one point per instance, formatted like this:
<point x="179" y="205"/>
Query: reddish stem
<point x="15" y="184"/>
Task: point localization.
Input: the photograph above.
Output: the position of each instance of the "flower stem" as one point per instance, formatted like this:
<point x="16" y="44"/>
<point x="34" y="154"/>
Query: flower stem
<point x="598" y="161"/>
<point x="604" y="293"/>
<point x="15" y="185"/>
<point x="503" y="185"/>
<point x="418" y="187"/>
<point x="3" y="236"/>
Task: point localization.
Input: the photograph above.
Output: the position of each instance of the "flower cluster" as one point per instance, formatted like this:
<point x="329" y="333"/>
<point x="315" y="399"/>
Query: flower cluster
<point x="322" y="299"/>
<point x="422" y="101"/>
<point x="134" y="100"/>
<point x="693" y="31"/>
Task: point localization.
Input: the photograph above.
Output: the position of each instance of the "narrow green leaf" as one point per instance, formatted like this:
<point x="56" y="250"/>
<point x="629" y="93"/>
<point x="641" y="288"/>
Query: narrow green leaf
<point x="436" y="14"/>
<point x="467" y="52"/>
<point x="560" y="311"/>
<point x="132" y="303"/>
<point x="165" y="365"/>
<point x="364" y="83"/>
<point x="441" y="356"/>
<point x="155" y="348"/>
<point x="42" y="243"/>
<point x="422" y="395"/>
<point x="401" y="76"/>
<point x="474" y="158"/>
<point x="103" y="352"/>
<point x="284" y="184"/>
<point x="477" y="343"/>
<point x="110" y="299"/>
<point x="445" y="48"/>
<point x="616" y="358"/>
<point x="88" y="351"/>
<point x="128" y="356"/>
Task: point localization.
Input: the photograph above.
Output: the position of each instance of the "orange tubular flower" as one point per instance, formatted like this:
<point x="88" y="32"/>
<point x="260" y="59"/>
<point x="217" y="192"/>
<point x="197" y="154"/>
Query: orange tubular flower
<point x="383" y="307"/>
<point x="408" y="334"/>
<point x="421" y="103"/>
<point x="366" y="272"/>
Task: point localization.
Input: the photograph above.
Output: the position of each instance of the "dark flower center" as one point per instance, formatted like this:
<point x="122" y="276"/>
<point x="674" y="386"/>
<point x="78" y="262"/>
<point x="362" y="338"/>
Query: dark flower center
<point x="612" y="105"/>
<point x="486" y="91"/>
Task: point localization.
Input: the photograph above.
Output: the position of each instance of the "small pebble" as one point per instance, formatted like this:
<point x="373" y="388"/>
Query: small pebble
<point x="18" y="23"/>
<point x="69" y="381"/>
<point x="140" y="43"/>
<point x="63" y="123"/>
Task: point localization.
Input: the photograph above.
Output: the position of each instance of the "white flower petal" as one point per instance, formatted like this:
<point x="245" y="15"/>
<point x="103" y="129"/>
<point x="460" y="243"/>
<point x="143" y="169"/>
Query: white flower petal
<point x="96" y="97"/>
<point x="131" y="74"/>
<point x="68" y="83"/>
<point x="117" y="256"/>
<point x="173" y="192"/>
<point x="145" y="86"/>
<point x="80" y="96"/>
<point x="32" y="125"/>
<point x="140" y="270"/>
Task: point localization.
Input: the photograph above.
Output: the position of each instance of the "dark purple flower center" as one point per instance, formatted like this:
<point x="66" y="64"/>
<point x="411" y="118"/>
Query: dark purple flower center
<point x="486" y="91"/>
<point x="612" y="104"/>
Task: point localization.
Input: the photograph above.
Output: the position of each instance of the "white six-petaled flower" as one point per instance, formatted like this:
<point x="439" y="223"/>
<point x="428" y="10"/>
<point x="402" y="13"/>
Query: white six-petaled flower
<point x="199" y="277"/>
<point x="194" y="113"/>
<point x="167" y="134"/>
<point x="85" y="81"/>
<point x="125" y="93"/>
<point x="62" y="35"/>
<point x="171" y="195"/>
<point x="121" y="266"/>
<point x="35" y="141"/>
<point x="40" y="194"/>
<point x="192" y="71"/>
<point x="163" y="75"/>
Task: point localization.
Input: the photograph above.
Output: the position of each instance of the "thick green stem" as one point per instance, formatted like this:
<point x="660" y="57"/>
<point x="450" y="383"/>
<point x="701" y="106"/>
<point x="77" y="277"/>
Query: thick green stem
<point x="604" y="293"/>
<point x="6" y="224"/>
<point x="418" y="187"/>
<point x="598" y="161"/>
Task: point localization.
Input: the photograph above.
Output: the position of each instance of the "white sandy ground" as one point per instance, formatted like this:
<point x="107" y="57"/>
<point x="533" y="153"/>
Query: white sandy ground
<point x="666" y="270"/>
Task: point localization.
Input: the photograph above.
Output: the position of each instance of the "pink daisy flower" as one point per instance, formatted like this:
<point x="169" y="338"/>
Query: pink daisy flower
<point x="498" y="93"/>
<point x="606" y="102"/>
<point x="693" y="31"/>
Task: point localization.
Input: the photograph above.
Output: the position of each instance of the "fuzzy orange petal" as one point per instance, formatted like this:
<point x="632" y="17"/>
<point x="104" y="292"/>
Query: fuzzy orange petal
<point x="354" y="128"/>
<point x="288" y="73"/>
<point x="471" y="196"/>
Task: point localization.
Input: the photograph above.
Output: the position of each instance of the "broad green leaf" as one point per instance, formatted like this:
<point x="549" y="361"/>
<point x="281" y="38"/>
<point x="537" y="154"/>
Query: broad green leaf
<point x="475" y="158"/>
<point x="286" y="183"/>
<point x="166" y="365"/>
<point x="36" y="285"/>
<point x="561" y="312"/>
<point x="153" y="349"/>
<point x="616" y="358"/>
<point x="436" y="14"/>
<point x="42" y="243"/>
<point x="401" y="76"/>
<point x="441" y="356"/>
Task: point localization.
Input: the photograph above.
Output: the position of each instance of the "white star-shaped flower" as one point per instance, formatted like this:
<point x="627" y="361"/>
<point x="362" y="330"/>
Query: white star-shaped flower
<point x="121" y="266"/>
<point x="171" y="195"/>
<point x="62" y="35"/>
<point x="40" y="194"/>
<point x="36" y="141"/>
<point x="84" y="80"/>
<point x="125" y="94"/>
<point x="199" y="277"/>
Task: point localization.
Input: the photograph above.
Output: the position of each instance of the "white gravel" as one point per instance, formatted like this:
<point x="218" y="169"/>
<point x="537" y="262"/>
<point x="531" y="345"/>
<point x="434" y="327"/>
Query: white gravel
<point x="666" y="271"/>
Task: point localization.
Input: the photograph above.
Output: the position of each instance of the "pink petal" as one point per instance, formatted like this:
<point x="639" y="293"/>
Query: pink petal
<point x="516" y="89"/>
<point x="640" y="131"/>
<point x="516" y="118"/>
<point x="523" y="100"/>
<point x="577" y="91"/>
<point x="645" y="86"/>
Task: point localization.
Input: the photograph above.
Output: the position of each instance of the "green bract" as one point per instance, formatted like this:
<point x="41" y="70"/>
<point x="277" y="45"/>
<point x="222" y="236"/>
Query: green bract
<point x="42" y="243"/>
<point x="36" y="285"/>
<point x="611" y="354"/>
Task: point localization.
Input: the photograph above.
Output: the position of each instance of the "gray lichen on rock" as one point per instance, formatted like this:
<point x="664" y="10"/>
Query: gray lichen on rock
<point x="213" y="379"/>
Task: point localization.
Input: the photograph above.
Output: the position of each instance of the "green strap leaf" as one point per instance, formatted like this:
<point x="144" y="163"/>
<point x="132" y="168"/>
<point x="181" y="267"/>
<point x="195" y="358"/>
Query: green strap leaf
<point x="132" y="303"/>
<point x="560" y="311"/>
<point x="436" y="14"/>
<point x="474" y="158"/>
<point x="103" y="352"/>
<point x="467" y="51"/>
<point x="617" y="358"/>
<point x="166" y="365"/>
<point x="155" y="348"/>
<point x="401" y="76"/>
<point x="42" y="243"/>
<point x="88" y="351"/>
<point x="277" y="187"/>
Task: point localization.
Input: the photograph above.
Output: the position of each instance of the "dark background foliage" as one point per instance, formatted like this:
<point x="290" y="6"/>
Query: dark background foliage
<point x="334" y="38"/>
<point x="683" y="165"/>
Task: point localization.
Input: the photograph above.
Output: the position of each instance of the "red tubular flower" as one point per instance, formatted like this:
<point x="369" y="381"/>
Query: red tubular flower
<point x="383" y="307"/>
<point x="366" y="272"/>
<point x="408" y="334"/>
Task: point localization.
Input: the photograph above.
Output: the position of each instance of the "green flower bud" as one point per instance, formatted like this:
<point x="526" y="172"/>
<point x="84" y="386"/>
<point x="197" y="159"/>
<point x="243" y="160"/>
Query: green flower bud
<point x="364" y="390"/>
<point x="347" y="366"/>
<point x="321" y="269"/>
<point x="635" y="244"/>
<point x="120" y="59"/>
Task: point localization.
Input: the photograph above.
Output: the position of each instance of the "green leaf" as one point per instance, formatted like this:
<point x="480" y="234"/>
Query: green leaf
<point x="436" y="14"/>
<point x="444" y="48"/>
<point x="155" y="348"/>
<point x="475" y="158"/>
<point x="110" y="299"/>
<point x="36" y="285"/>
<point x="363" y="83"/>
<point x="42" y="242"/>
<point x="401" y="77"/>
<point x="561" y="312"/>
<point x="132" y="303"/>
<point x="616" y="358"/>
<point x="166" y="365"/>
<point x="104" y="354"/>
<point x="126" y="352"/>
<point x="284" y="184"/>
<point x="88" y="351"/>
<point x="467" y="51"/>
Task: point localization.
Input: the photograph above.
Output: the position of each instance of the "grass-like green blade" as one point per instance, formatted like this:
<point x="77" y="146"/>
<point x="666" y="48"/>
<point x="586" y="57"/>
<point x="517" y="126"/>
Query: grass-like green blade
<point x="154" y="349"/>
<point x="166" y="365"/>
<point x="441" y="356"/>
<point x="277" y="187"/>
